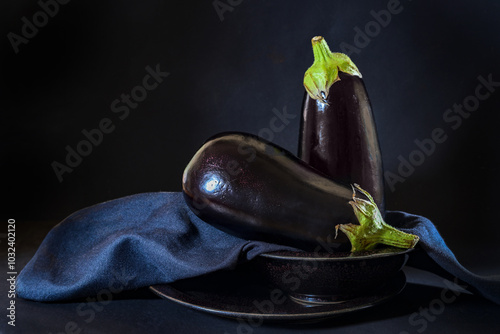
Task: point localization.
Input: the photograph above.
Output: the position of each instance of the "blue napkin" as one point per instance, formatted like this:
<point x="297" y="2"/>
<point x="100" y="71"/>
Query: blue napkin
<point x="154" y="238"/>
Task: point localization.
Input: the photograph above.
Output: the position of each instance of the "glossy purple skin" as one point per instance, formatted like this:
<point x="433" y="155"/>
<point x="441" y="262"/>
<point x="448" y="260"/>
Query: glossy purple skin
<point x="256" y="190"/>
<point x="340" y="139"/>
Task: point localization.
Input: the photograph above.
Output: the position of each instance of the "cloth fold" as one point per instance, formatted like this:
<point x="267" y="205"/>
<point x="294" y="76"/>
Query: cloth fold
<point x="154" y="238"/>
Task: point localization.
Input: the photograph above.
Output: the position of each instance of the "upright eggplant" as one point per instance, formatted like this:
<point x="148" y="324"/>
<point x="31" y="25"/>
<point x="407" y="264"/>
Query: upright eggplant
<point x="337" y="132"/>
<point x="256" y="190"/>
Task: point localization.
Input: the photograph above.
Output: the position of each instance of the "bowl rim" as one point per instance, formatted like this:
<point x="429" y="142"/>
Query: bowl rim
<point x="344" y="257"/>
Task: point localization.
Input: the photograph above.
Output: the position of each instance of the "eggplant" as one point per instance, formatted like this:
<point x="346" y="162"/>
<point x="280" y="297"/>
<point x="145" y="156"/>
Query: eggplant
<point x="338" y="135"/>
<point x="256" y="190"/>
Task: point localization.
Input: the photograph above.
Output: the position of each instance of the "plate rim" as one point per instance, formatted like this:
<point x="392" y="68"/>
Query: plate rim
<point x="351" y="257"/>
<point x="400" y="279"/>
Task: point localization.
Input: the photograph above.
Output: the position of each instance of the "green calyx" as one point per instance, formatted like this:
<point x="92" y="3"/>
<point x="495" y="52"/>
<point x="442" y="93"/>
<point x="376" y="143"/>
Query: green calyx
<point x="372" y="229"/>
<point x="324" y="72"/>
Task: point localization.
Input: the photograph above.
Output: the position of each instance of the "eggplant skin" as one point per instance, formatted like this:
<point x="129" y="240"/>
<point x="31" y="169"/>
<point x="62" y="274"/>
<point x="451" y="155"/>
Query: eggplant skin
<point x="340" y="138"/>
<point x="256" y="190"/>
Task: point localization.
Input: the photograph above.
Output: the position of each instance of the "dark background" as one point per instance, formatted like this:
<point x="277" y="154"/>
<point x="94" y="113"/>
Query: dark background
<point x="229" y="75"/>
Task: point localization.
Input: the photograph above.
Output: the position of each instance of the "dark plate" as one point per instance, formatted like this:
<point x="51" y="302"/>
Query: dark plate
<point x="326" y="277"/>
<point x="240" y="294"/>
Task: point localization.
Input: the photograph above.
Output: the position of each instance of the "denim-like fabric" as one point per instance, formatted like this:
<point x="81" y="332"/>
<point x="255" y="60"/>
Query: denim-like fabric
<point x="435" y="247"/>
<point x="154" y="238"/>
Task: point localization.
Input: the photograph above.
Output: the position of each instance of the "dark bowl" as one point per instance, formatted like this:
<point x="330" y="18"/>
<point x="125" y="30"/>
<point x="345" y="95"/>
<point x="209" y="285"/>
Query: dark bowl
<point x="330" y="277"/>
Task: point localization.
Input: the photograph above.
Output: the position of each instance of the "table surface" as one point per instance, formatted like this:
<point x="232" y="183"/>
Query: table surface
<point x="419" y="308"/>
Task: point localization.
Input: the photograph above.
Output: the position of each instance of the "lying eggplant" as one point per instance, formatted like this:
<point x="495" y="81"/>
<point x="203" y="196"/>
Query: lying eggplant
<point x="337" y="132"/>
<point x="256" y="190"/>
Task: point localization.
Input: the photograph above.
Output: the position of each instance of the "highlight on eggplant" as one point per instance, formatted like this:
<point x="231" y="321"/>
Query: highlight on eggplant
<point x="338" y="134"/>
<point x="256" y="190"/>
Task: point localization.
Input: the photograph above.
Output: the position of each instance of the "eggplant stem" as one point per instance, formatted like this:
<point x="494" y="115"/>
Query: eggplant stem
<point x="324" y="71"/>
<point x="372" y="229"/>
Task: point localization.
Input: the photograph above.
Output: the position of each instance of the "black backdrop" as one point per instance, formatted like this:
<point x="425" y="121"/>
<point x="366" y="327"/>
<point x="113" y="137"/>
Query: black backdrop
<point x="232" y="64"/>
